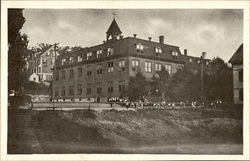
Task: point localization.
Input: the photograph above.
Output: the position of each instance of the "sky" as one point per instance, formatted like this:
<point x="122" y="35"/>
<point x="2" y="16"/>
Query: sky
<point x="218" y="32"/>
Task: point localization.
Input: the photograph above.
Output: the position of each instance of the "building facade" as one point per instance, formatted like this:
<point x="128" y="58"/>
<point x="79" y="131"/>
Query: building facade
<point x="99" y="72"/>
<point x="42" y="64"/>
<point x="237" y="63"/>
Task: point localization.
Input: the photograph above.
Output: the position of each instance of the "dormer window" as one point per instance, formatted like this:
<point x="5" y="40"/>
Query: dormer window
<point x="79" y="58"/>
<point x="110" y="51"/>
<point x="71" y="60"/>
<point x="99" y="54"/>
<point x="139" y="48"/>
<point x="158" y="50"/>
<point x="190" y="60"/>
<point x="89" y="55"/>
<point x="63" y="61"/>
<point x="174" y="53"/>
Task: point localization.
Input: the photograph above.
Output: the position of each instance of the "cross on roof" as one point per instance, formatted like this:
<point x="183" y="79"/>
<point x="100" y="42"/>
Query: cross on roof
<point x="114" y="14"/>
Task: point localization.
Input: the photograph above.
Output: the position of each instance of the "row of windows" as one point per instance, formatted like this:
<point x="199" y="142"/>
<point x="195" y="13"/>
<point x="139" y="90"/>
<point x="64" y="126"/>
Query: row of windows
<point x="198" y="61"/>
<point x="89" y="56"/>
<point x="99" y="87"/>
<point x="135" y="67"/>
<point x="140" y="48"/>
<point x="110" y="51"/>
<point x="148" y="66"/>
<point x="99" y="71"/>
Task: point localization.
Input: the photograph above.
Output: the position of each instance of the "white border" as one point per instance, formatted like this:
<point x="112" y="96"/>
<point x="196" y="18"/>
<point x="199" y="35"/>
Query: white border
<point x="122" y="5"/>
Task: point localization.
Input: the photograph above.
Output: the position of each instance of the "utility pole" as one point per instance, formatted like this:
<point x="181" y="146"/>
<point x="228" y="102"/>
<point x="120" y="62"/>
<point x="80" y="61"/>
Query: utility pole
<point x="53" y="69"/>
<point x="203" y="56"/>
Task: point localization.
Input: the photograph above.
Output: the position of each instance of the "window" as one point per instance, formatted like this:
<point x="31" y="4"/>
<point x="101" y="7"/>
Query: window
<point x="71" y="60"/>
<point x="168" y="68"/>
<point x="135" y="65"/>
<point x="110" y="87"/>
<point x="99" y="70"/>
<point x="71" y="90"/>
<point x="56" y="91"/>
<point x="198" y="61"/>
<point x="71" y="73"/>
<point x="89" y="88"/>
<point x="241" y="75"/>
<point x="47" y="54"/>
<point x="79" y="89"/>
<point x="148" y="67"/>
<point x="241" y="94"/>
<point x="63" y="74"/>
<point x="99" y="88"/>
<point x="99" y="54"/>
<point x="190" y="60"/>
<point x="89" y="55"/>
<point x="158" y="50"/>
<point x="121" y="86"/>
<point x="63" y="61"/>
<point x="139" y="48"/>
<point x="44" y="61"/>
<point x="39" y="69"/>
<point x="79" y="72"/>
<point x="110" y="67"/>
<point x="157" y="67"/>
<point x="79" y="58"/>
<point x="207" y="63"/>
<point x="174" y="54"/>
<point x="57" y="75"/>
<point x="89" y="73"/>
<point x="110" y="51"/>
<point x="63" y="91"/>
<point x="122" y="65"/>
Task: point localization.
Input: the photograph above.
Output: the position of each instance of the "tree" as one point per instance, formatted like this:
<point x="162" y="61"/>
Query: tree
<point x="17" y="48"/>
<point x="137" y="87"/>
<point x="163" y="83"/>
<point x="185" y="85"/>
<point x="219" y="82"/>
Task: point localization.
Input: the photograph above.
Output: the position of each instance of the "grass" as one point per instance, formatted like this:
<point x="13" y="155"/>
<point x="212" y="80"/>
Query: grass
<point x="111" y="131"/>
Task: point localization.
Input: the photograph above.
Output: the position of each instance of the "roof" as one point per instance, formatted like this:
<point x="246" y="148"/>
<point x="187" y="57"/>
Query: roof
<point x="114" y="28"/>
<point x="237" y="58"/>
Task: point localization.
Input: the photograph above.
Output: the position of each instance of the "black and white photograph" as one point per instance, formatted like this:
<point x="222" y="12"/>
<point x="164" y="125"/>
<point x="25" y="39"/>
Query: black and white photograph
<point x="125" y="81"/>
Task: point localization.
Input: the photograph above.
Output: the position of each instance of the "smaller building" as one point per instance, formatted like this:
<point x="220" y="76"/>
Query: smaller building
<point x="42" y="64"/>
<point x="237" y="63"/>
<point x="34" y="77"/>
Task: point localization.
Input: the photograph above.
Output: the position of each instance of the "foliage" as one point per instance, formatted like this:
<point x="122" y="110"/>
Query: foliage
<point x="185" y="85"/>
<point x="163" y="83"/>
<point x="17" y="49"/>
<point x="219" y="82"/>
<point x="137" y="87"/>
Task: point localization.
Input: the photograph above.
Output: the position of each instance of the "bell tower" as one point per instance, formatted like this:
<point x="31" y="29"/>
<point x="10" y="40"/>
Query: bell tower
<point x="114" y="31"/>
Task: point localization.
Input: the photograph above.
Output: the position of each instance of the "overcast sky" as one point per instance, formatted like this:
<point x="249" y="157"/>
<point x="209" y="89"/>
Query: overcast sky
<point x="217" y="32"/>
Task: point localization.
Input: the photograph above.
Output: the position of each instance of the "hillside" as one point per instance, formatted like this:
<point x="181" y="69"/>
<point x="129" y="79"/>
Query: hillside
<point x="144" y="131"/>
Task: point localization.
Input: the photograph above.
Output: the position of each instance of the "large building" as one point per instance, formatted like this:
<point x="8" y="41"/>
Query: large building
<point x="40" y="65"/>
<point x="237" y="62"/>
<point x="99" y="72"/>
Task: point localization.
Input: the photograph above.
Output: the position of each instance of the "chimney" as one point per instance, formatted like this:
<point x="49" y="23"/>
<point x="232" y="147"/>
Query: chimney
<point x="149" y="38"/>
<point x="104" y="42"/>
<point x="161" y="39"/>
<point x="185" y="52"/>
<point x="134" y="35"/>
